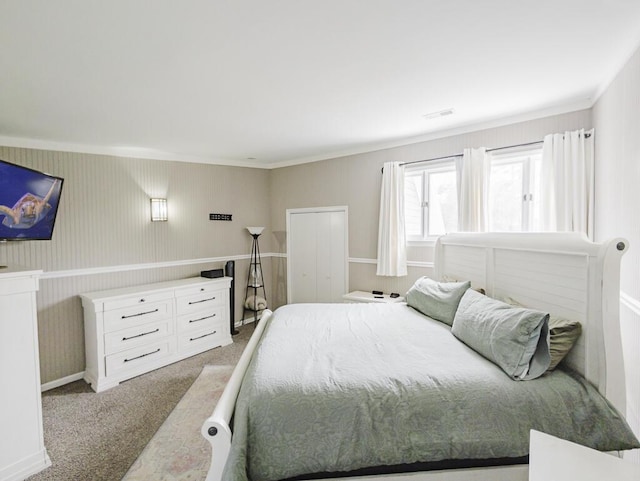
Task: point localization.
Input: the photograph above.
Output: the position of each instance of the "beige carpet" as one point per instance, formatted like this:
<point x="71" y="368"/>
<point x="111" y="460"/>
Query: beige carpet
<point x="178" y="451"/>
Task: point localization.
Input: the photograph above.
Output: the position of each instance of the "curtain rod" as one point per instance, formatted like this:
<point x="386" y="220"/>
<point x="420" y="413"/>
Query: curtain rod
<point x="586" y="135"/>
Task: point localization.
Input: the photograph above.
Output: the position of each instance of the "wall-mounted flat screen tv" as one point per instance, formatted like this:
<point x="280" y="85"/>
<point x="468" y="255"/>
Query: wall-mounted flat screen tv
<point x="28" y="202"/>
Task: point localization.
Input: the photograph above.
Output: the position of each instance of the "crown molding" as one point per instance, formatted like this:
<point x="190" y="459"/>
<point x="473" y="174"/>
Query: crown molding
<point x="115" y="151"/>
<point x="575" y="106"/>
<point x="153" y="154"/>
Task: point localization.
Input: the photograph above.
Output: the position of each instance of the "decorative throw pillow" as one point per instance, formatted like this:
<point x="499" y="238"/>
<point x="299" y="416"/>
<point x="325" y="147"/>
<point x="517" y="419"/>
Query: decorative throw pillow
<point x="563" y="334"/>
<point x="438" y="300"/>
<point x="514" y="338"/>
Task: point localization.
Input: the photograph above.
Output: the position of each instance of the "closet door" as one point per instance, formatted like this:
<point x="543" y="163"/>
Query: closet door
<point x="302" y="248"/>
<point x="317" y="255"/>
<point x="330" y="256"/>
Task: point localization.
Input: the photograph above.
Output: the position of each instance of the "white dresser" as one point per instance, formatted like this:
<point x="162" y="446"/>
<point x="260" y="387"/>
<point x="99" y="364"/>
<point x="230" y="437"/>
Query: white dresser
<point x="22" y="451"/>
<point x="135" y="330"/>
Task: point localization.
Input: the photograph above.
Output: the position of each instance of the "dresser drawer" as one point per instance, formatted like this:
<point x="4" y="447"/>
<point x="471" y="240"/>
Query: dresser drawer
<point x="193" y="290"/>
<point x="139" y="357"/>
<point x="136" y="315"/>
<point x="200" y="301"/>
<point x="200" y="320"/>
<point x="143" y="334"/>
<point x="137" y="300"/>
<point x="202" y="338"/>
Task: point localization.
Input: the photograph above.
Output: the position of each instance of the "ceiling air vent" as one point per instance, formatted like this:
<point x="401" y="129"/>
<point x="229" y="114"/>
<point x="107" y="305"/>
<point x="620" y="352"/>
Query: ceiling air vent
<point x="438" y="114"/>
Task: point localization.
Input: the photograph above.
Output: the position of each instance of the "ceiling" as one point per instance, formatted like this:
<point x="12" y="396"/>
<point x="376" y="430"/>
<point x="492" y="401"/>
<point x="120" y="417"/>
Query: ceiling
<point x="273" y="83"/>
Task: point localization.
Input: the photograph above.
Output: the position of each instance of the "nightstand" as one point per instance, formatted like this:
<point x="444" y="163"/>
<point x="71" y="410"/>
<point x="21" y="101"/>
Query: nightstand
<point x="554" y="459"/>
<point x="361" y="296"/>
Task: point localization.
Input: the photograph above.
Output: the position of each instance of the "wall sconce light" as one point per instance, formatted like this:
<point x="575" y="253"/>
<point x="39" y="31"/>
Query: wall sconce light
<point x="159" y="210"/>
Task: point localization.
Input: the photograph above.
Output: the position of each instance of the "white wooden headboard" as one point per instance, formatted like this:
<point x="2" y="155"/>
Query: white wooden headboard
<point x="564" y="274"/>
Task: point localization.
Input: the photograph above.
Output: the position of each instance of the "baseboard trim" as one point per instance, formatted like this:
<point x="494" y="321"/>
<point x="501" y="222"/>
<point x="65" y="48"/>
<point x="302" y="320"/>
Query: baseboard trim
<point x="61" y="382"/>
<point x="242" y="322"/>
<point x="26" y="467"/>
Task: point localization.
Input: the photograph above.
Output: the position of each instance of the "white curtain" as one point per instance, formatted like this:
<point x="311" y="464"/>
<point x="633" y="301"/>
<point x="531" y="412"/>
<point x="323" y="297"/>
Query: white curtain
<point x="472" y="175"/>
<point x="567" y="201"/>
<point x="392" y="250"/>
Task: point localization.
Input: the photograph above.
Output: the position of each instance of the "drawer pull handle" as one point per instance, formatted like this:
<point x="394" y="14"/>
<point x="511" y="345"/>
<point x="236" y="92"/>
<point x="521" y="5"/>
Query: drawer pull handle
<point x="204" y="335"/>
<point x="140" y="314"/>
<point x="142" y="355"/>
<point x="202" y="318"/>
<point x="203" y="300"/>
<point x="142" y="300"/>
<point x="141" y="334"/>
<point x="202" y="289"/>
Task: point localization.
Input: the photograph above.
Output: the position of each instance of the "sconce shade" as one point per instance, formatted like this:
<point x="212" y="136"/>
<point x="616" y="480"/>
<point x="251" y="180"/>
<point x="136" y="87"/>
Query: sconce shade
<point x="159" y="210"/>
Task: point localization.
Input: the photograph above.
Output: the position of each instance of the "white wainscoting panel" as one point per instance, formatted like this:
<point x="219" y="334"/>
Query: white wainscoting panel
<point x="630" y="328"/>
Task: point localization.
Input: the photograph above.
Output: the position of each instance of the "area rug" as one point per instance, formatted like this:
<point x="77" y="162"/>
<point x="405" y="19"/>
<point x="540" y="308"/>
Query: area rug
<point x="178" y="452"/>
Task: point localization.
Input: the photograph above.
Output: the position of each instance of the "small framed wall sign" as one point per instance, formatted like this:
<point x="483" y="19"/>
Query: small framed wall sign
<point x="219" y="216"/>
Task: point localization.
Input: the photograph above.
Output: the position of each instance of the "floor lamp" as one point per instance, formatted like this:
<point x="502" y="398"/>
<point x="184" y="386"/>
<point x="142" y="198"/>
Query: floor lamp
<point x="255" y="279"/>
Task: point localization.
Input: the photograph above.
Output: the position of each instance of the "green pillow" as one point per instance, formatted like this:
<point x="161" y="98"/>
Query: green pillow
<point x="514" y="338"/>
<point x="438" y="300"/>
<point x="562" y="336"/>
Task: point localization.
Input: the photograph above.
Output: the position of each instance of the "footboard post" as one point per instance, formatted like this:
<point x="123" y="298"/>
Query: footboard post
<point x="216" y="429"/>
<point x="219" y="436"/>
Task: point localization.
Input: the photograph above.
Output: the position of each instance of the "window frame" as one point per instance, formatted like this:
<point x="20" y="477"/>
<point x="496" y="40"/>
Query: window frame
<point x="525" y="156"/>
<point x="425" y="170"/>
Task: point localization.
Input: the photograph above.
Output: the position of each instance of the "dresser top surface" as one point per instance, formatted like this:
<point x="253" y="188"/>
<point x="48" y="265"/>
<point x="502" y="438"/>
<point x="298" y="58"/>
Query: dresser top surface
<point x="18" y="271"/>
<point x="155" y="287"/>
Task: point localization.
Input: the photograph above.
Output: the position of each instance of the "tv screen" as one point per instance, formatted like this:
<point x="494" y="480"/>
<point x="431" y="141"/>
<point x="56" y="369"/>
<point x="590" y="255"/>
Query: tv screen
<point x="28" y="203"/>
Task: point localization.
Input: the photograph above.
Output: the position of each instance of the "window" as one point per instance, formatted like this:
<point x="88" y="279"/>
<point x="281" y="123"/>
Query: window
<point x="431" y="200"/>
<point x="514" y="191"/>
<point x="431" y="203"/>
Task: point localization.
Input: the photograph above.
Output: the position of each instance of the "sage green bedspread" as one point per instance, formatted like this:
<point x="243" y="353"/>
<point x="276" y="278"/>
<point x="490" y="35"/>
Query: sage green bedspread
<point x="338" y="387"/>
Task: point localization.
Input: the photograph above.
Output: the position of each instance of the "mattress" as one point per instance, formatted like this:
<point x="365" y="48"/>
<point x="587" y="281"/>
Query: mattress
<point x="337" y="388"/>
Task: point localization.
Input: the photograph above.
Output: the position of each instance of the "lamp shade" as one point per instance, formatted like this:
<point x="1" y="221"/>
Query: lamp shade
<point x="159" y="210"/>
<point x="255" y="230"/>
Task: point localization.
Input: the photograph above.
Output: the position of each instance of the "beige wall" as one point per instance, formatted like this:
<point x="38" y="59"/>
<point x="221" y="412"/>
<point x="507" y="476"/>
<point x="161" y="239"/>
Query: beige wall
<point x="616" y="118"/>
<point x="103" y="223"/>
<point x="355" y="181"/>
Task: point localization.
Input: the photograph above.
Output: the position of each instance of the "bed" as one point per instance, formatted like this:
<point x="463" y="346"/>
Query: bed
<point x="368" y="389"/>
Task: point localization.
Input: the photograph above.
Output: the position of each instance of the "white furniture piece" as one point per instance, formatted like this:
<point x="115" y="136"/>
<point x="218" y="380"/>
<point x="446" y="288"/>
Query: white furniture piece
<point x="317" y="254"/>
<point x="22" y="450"/>
<point x="554" y="459"/>
<point x="134" y="330"/>
<point x="564" y="274"/>
<point x="362" y="296"/>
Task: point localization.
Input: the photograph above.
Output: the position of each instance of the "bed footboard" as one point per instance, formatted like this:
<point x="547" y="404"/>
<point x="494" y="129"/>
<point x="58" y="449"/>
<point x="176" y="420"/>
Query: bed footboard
<point x="216" y="428"/>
